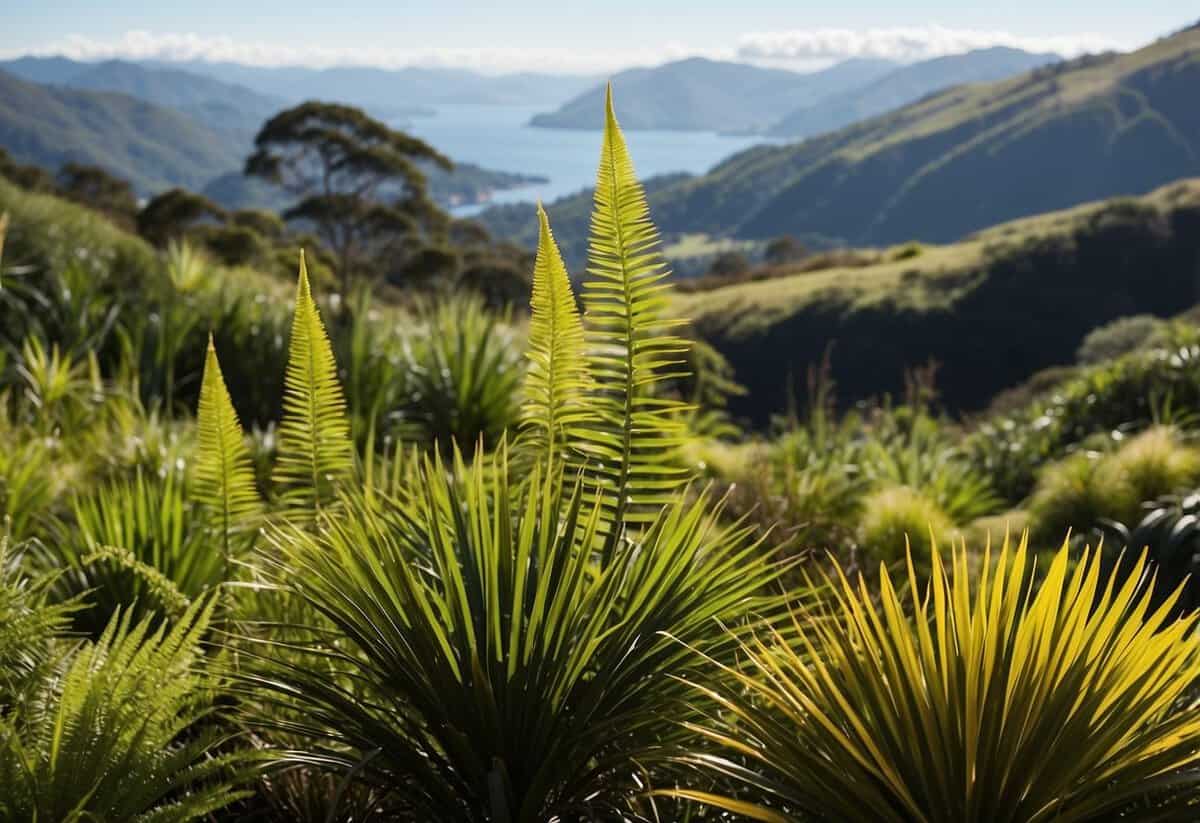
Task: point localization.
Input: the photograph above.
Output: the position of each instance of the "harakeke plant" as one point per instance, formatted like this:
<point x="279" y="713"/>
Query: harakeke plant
<point x="998" y="702"/>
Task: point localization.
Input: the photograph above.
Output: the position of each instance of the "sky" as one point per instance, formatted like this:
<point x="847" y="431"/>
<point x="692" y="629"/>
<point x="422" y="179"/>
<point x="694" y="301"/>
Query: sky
<point x="569" y="35"/>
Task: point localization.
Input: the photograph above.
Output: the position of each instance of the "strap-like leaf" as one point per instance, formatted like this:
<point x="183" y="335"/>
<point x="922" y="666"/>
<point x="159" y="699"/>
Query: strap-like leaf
<point x="557" y="382"/>
<point x="630" y="444"/>
<point x="224" y="481"/>
<point x="314" y="436"/>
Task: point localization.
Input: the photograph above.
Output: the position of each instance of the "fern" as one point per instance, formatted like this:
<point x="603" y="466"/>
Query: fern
<point x="224" y="476"/>
<point x="556" y="382"/>
<point x="632" y="441"/>
<point x="315" y="450"/>
<point x="122" y="732"/>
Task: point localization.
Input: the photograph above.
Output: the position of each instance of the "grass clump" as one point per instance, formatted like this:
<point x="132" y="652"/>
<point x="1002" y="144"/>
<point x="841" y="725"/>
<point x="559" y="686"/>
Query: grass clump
<point x="897" y="519"/>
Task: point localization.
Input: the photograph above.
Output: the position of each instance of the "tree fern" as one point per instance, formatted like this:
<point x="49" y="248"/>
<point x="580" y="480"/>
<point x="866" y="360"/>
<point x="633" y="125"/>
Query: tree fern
<point x="315" y="450"/>
<point x="631" y="441"/>
<point x="224" y="476"/>
<point x="557" y="380"/>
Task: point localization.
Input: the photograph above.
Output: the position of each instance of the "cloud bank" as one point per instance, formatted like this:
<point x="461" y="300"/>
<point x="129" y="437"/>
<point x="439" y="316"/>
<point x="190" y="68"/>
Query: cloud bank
<point x="803" y="48"/>
<point x="905" y="43"/>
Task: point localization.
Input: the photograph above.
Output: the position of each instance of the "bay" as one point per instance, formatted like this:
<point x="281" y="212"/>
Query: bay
<point x="499" y="137"/>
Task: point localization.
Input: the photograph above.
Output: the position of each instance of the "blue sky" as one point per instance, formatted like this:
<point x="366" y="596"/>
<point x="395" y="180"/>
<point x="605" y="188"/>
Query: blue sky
<point x="567" y="35"/>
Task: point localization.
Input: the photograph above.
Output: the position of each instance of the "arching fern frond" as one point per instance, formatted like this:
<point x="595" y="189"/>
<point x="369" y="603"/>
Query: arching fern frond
<point x="224" y="481"/>
<point x="315" y="450"/>
<point x="556" y="383"/>
<point x="632" y="350"/>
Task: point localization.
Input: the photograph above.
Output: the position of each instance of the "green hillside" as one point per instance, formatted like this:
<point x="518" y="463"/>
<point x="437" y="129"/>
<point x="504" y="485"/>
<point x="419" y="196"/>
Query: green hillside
<point x="990" y="310"/>
<point x="967" y="158"/>
<point x="905" y="85"/>
<point x="151" y="146"/>
<point x="709" y="95"/>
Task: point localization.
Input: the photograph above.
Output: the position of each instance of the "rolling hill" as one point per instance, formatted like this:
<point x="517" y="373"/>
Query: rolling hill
<point x="905" y="85"/>
<point x="990" y="310"/>
<point x="709" y="95"/>
<point x="151" y="146"/>
<point x="224" y="106"/>
<point x="157" y="145"/>
<point x="966" y="158"/>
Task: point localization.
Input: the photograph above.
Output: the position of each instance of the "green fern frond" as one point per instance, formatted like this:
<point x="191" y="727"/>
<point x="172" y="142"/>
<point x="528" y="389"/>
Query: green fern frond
<point x="224" y="481"/>
<point x="315" y="450"/>
<point x="631" y="348"/>
<point x="164" y="595"/>
<point x="556" y="383"/>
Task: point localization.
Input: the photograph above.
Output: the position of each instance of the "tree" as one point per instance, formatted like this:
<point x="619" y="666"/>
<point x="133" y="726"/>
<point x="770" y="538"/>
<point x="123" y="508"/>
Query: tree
<point x="33" y="178"/>
<point x="357" y="181"/>
<point x="169" y="215"/>
<point x="95" y="188"/>
<point x="729" y="264"/>
<point x="784" y="249"/>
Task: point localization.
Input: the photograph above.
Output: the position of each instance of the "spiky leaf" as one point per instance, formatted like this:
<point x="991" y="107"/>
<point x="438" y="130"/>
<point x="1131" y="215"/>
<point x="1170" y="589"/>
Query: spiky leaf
<point x="224" y="480"/>
<point x="557" y="382"/>
<point x="631" y="348"/>
<point x="992" y="698"/>
<point x="315" y="450"/>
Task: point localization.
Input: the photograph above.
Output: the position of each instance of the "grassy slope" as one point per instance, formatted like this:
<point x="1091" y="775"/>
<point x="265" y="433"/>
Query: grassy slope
<point x="970" y="157"/>
<point x="991" y="309"/>
<point x="905" y="85"/>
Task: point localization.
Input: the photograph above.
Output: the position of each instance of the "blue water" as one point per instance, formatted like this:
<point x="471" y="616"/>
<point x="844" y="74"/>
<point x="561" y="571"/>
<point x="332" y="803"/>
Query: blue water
<point x="497" y="137"/>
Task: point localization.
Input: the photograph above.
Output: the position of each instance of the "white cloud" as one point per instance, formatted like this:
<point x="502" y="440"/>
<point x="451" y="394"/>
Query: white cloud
<point x="144" y="45"/>
<point x="803" y="49"/>
<point x="904" y="43"/>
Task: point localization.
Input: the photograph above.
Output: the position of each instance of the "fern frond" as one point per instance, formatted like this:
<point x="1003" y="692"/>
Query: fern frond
<point x="631" y="348"/>
<point x="224" y="481"/>
<point x="315" y="450"/>
<point x="164" y="596"/>
<point x="556" y="383"/>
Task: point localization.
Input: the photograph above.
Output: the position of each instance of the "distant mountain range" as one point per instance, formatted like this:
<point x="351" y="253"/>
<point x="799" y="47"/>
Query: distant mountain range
<point x="219" y="105"/>
<point x="905" y="85"/>
<point x="952" y="163"/>
<point x="151" y="146"/>
<point x="159" y="128"/>
<point x="709" y="95"/>
<point x="395" y="90"/>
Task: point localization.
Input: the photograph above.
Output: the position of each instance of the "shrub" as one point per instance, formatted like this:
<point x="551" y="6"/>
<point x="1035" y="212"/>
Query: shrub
<point x="1078" y="492"/>
<point x="992" y="701"/>
<point x="1118" y="338"/>
<point x="1157" y="462"/>
<point x="895" y="517"/>
<point x="1086" y="489"/>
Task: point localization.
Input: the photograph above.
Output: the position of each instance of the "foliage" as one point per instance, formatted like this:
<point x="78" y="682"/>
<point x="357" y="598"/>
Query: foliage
<point x="630" y="441"/>
<point x="1118" y="338"/>
<point x="355" y="178"/>
<point x="137" y="544"/>
<point x="315" y="450"/>
<point x="1169" y="531"/>
<point x="1086" y="489"/>
<point x="461" y="375"/>
<point x="897" y="520"/>
<point x="123" y="732"/>
<point x="493" y="670"/>
<point x="224" y="479"/>
<point x="557" y="381"/>
<point x="95" y="188"/>
<point x="983" y="701"/>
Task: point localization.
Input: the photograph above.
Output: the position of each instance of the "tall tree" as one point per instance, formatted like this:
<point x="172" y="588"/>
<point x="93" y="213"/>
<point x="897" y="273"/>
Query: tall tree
<point x="356" y="180"/>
